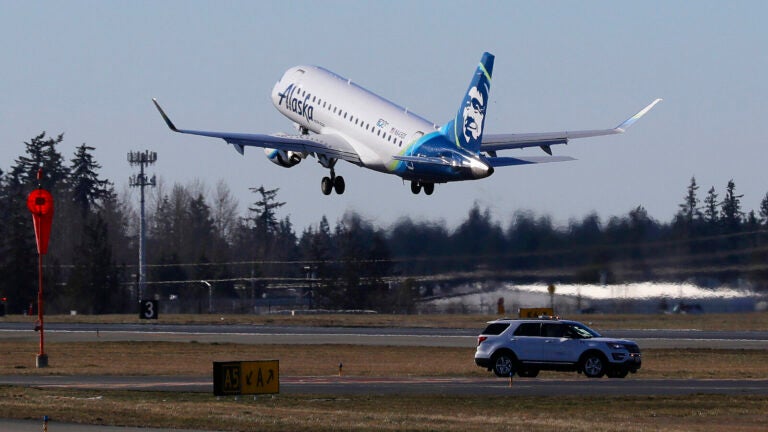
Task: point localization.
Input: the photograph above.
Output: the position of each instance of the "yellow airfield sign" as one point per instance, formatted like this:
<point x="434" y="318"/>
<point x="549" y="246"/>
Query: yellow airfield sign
<point x="246" y="377"/>
<point x="536" y="312"/>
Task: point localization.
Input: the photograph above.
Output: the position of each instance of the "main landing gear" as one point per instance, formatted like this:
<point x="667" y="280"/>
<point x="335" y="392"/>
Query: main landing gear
<point x="416" y="187"/>
<point x="332" y="183"/>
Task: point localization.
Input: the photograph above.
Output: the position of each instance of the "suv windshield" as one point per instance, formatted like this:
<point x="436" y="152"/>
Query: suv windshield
<point x="581" y="331"/>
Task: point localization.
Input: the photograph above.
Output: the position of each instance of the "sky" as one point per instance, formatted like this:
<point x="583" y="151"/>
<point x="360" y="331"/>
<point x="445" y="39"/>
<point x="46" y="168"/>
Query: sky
<point x="89" y="69"/>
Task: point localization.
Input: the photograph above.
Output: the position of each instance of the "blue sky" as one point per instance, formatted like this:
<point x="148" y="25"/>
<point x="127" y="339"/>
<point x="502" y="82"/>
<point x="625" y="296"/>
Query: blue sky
<point x="89" y="69"/>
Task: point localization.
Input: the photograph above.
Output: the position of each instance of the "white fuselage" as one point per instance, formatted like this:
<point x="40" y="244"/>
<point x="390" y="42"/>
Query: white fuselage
<point x="322" y="102"/>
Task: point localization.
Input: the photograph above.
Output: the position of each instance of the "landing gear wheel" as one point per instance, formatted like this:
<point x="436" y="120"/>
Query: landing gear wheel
<point x="429" y="188"/>
<point x="338" y="185"/>
<point x="326" y="185"/>
<point x="415" y="187"/>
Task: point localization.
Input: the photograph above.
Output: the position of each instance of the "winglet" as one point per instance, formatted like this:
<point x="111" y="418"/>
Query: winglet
<point x="165" y="117"/>
<point x="630" y="121"/>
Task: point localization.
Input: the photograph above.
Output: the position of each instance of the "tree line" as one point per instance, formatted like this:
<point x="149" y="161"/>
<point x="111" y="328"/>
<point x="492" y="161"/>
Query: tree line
<point x="197" y="238"/>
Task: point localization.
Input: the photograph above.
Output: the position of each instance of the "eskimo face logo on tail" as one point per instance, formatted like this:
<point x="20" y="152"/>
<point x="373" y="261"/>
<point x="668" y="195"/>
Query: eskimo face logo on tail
<point x="474" y="113"/>
<point x="292" y="102"/>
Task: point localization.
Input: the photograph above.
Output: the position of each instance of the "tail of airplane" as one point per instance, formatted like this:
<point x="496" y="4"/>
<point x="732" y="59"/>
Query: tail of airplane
<point x="466" y="129"/>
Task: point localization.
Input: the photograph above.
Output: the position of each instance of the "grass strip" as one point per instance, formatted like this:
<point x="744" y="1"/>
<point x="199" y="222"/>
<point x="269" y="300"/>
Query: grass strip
<point x="400" y="412"/>
<point x="189" y="358"/>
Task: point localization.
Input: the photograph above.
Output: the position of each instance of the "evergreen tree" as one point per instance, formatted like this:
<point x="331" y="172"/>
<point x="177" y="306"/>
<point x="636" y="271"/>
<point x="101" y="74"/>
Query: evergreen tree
<point x="42" y="153"/>
<point x="764" y="209"/>
<point x="264" y="210"/>
<point x="93" y="282"/>
<point x="711" y="215"/>
<point x="88" y="190"/>
<point x="689" y="209"/>
<point x="730" y="208"/>
<point x="18" y="275"/>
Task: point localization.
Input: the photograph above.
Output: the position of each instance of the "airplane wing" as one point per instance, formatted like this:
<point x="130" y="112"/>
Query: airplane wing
<point x="332" y="146"/>
<point x="494" y="142"/>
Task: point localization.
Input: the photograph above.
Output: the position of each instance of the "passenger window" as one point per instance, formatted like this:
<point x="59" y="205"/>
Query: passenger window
<point x="527" y="329"/>
<point x="495" y="328"/>
<point x="552" y="330"/>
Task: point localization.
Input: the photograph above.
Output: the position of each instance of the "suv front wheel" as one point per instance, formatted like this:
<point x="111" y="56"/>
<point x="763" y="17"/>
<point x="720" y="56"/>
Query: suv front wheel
<point x="504" y="364"/>
<point x="593" y="365"/>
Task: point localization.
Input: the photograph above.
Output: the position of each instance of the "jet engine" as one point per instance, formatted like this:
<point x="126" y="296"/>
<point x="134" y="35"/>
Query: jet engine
<point x="283" y="158"/>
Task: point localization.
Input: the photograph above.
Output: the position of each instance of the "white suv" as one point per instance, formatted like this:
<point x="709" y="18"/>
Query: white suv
<point x="526" y="346"/>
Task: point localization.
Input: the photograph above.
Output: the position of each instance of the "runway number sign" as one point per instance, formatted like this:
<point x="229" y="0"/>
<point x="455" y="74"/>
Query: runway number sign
<point x="148" y="309"/>
<point x="246" y="377"/>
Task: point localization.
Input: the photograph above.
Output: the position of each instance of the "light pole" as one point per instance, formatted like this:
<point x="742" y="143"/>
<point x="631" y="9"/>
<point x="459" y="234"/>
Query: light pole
<point x="141" y="180"/>
<point x="210" y="295"/>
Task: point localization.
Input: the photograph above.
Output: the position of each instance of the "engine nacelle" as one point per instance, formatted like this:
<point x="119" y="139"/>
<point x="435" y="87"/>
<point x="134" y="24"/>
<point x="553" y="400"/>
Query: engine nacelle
<point x="283" y="158"/>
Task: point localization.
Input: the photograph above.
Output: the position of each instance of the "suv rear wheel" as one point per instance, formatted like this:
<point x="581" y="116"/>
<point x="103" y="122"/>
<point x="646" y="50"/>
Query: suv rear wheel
<point x="504" y="364"/>
<point x="593" y="365"/>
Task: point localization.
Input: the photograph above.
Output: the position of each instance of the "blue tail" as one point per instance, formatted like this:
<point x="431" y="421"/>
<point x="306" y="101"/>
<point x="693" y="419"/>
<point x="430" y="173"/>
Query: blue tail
<point x="466" y="130"/>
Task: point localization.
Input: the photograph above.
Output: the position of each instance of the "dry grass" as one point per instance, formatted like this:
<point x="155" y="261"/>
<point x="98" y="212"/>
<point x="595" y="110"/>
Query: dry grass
<point x="757" y="321"/>
<point x="402" y="412"/>
<point x="183" y="358"/>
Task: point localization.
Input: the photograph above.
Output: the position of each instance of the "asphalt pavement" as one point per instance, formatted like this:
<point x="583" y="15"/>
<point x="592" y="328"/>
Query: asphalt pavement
<point x="304" y="335"/>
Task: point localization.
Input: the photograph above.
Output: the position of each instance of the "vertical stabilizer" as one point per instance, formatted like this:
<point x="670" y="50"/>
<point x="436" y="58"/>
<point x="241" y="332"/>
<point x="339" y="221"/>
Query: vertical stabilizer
<point x="466" y="130"/>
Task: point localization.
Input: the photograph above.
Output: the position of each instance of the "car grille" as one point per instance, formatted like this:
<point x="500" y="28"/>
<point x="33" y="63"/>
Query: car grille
<point x="633" y="348"/>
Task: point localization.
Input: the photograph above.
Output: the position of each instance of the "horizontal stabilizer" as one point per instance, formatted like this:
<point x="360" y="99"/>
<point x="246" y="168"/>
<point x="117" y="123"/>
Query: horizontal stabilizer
<point x="510" y="161"/>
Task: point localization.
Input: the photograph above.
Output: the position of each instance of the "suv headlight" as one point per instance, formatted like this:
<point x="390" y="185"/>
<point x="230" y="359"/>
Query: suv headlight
<point x="615" y="346"/>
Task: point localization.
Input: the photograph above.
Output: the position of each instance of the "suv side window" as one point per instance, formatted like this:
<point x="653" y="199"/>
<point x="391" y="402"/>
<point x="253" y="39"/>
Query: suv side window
<point x="553" y="330"/>
<point x="527" y="329"/>
<point x="495" y="328"/>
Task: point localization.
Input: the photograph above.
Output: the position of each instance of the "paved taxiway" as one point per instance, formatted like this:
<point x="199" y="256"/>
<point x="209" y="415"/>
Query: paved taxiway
<point x="303" y="335"/>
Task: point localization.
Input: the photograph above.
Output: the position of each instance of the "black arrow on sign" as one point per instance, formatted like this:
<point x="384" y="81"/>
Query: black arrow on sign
<point x="248" y="378"/>
<point x="271" y="376"/>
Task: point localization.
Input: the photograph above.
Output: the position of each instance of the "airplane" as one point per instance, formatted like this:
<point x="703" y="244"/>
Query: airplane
<point x="336" y="119"/>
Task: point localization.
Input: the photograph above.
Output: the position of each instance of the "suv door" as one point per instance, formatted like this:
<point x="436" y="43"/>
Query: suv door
<point x="560" y="344"/>
<point x="526" y="341"/>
